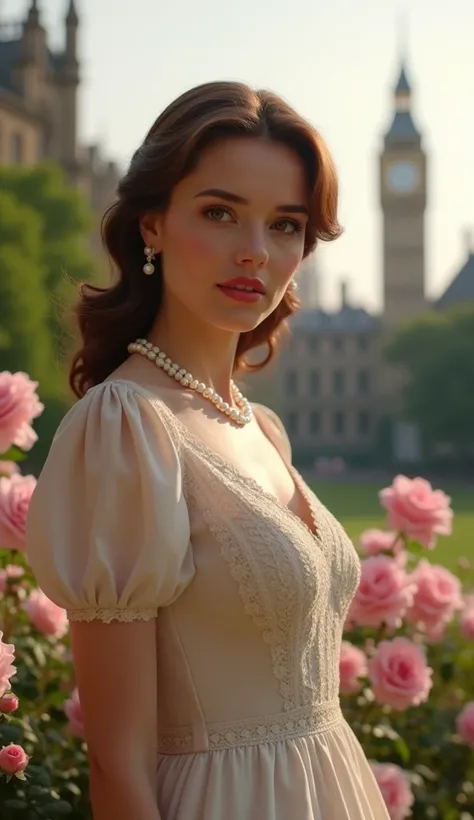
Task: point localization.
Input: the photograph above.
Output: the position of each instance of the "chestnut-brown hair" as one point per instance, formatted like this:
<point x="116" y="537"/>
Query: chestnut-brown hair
<point x="109" y="318"/>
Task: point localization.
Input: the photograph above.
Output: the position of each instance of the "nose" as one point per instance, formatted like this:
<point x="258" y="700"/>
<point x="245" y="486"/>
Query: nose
<point x="253" y="252"/>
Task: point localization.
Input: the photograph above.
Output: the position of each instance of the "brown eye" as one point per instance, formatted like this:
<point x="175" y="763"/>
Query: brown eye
<point x="288" y="226"/>
<point x="217" y="213"/>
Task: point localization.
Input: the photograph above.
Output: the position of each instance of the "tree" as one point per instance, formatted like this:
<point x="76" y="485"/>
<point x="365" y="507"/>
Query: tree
<point x="26" y="343"/>
<point x="65" y="224"/>
<point x="44" y="232"/>
<point x="437" y="353"/>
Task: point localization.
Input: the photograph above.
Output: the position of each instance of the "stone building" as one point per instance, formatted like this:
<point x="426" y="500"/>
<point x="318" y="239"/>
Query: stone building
<point x="38" y="106"/>
<point x="309" y="282"/>
<point x="330" y="383"/>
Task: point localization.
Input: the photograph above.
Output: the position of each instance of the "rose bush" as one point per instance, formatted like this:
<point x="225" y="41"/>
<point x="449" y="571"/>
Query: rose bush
<point x="43" y="764"/>
<point x="413" y="623"/>
<point x="406" y="666"/>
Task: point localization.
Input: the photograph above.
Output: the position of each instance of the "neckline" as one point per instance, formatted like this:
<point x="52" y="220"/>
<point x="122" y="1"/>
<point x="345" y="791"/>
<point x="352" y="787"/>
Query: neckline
<point x="229" y="466"/>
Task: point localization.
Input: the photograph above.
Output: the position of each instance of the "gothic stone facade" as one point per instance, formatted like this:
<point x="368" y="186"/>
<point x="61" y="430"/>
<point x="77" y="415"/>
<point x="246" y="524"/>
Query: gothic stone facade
<point x="38" y="106"/>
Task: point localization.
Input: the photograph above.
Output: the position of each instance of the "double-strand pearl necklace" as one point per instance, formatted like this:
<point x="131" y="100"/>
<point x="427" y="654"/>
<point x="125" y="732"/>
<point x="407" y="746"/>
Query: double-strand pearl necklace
<point x="241" y="414"/>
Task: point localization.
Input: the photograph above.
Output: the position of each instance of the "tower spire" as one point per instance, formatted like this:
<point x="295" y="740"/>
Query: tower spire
<point x="72" y="18"/>
<point x="33" y="14"/>
<point x="402" y="88"/>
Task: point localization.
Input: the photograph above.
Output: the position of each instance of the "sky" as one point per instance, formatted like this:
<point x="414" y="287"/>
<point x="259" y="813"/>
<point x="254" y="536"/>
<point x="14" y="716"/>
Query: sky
<point x="335" y="62"/>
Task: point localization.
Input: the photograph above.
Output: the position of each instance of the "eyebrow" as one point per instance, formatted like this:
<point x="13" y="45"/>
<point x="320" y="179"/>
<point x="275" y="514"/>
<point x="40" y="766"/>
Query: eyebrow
<point x="240" y="200"/>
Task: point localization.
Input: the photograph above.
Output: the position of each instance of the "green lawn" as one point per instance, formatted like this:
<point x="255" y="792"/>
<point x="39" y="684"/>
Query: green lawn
<point x="357" y="507"/>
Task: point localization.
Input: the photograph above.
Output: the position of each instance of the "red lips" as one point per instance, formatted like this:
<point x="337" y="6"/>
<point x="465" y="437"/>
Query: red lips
<point x="246" y="282"/>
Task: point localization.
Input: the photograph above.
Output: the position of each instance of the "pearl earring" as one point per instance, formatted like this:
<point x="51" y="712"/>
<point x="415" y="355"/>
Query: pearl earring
<point x="149" y="267"/>
<point x="292" y="286"/>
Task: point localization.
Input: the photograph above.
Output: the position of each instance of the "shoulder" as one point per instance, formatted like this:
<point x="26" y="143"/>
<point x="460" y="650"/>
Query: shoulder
<point x="118" y="403"/>
<point x="117" y="424"/>
<point x="273" y="421"/>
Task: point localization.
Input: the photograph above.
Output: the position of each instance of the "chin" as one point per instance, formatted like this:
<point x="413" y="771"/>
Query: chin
<point x="241" y="321"/>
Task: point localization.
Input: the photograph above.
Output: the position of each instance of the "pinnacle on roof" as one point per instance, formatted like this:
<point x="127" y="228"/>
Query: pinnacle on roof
<point x="72" y="18"/>
<point x="403" y="86"/>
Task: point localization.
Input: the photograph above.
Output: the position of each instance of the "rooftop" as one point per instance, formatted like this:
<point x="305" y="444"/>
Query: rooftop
<point x="461" y="288"/>
<point x="346" y="320"/>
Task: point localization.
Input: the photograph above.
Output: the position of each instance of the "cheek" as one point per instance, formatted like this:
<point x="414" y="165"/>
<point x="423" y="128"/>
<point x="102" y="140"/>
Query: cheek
<point x="191" y="241"/>
<point x="287" y="262"/>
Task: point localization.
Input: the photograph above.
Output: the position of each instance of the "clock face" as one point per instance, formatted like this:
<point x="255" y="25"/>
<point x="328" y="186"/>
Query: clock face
<point x="403" y="176"/>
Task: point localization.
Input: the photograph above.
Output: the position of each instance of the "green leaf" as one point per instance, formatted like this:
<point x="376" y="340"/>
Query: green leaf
<point x="447" y="671"/>
<point x="36" y="791"/>
<point x="9" y="733"/>
<point x="57" y="809"/>
<point x="15" y="804"/>
<point x="403" y="750"/>
<point x="39" y="775"/>
<point x="74" y="789"/>
<point x="39" y="655"/>
<point x="13" y="454"/>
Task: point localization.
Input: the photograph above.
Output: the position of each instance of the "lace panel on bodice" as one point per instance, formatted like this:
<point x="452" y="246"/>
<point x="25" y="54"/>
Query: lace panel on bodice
<point x="294" y="583"/>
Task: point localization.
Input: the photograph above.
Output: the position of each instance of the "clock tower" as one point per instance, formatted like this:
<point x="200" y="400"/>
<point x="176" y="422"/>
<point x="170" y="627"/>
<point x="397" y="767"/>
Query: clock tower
<point x="403" y="199"/>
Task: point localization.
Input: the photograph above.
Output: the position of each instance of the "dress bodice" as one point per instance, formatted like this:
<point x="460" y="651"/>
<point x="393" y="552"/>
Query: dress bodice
<point x="277" y="593"/>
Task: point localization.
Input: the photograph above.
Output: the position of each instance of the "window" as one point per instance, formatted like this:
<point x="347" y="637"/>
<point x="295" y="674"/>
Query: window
<point x="313" y="344"/>
<point x="292" y="423"/>
<point x="363" y="342"/>
<point x="339" y="423"/>
<point x="338" y="381"/>
<point x="291" y="381"/>
<point x="314" y="382"/>
<point x="337" y="343"/>
<point x="17" y="148"/>
<point x="363" y="381"/>
<point x="314" y="422"/>
<point x="363" y="423"/>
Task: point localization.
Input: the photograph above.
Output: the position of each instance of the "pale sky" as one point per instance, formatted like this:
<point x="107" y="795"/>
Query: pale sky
<point x="335" y="62"/>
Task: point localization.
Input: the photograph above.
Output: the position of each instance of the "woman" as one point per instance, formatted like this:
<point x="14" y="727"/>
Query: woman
<point x="206" y="586"/>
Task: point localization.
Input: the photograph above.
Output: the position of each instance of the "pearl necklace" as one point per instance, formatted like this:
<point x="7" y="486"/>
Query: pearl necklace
<point x="241" y="414"/>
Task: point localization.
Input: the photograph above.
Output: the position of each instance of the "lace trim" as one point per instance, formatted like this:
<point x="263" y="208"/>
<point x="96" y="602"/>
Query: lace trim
<point x="294" y="580"/>
<point x="108" y="615"/>
<point x="280" y="573"/>
<point x="270" y="729"/>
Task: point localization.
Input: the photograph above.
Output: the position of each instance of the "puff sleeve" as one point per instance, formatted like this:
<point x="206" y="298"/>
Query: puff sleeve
<point x="108" y="533"/>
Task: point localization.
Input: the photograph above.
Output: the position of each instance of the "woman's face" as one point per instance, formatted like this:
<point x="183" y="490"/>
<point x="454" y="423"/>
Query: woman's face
<point x="233" y="234"/>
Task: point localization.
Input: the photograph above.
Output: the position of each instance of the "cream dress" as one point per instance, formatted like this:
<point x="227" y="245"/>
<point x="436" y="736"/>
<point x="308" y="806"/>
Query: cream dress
<point x="135" y="517"/>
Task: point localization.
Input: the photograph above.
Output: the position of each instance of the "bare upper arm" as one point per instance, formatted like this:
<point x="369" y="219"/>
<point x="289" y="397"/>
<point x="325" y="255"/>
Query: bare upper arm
<point x="117" y="681"/>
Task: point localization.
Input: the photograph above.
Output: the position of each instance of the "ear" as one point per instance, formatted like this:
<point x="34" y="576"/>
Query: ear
<point x="150" y="229"/>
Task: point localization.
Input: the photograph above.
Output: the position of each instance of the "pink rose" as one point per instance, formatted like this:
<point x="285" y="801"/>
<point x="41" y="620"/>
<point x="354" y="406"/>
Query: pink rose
<point x="19" y="405"/>
<point x="396" y="790"/>
<point x="399" y="674"/>
<point x="73" y="711"/>
<point x="375" y="541"/>
<point x="15" y="495"/>
<point x="11" y="571"/>
<point x="465" y="724"/>
<point x="437" y="597"/>
<point x="9" y="703"/>
<point x="8" y="468"/>
<point x="13" y="759"/>
<point x="48" y="618"/>
<point x="384" y="593"/>
<point x="7" y="670"/>
<point x="466" y="625"/>
<point x="416" y="509"/>
<point x="352" y="667"/>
